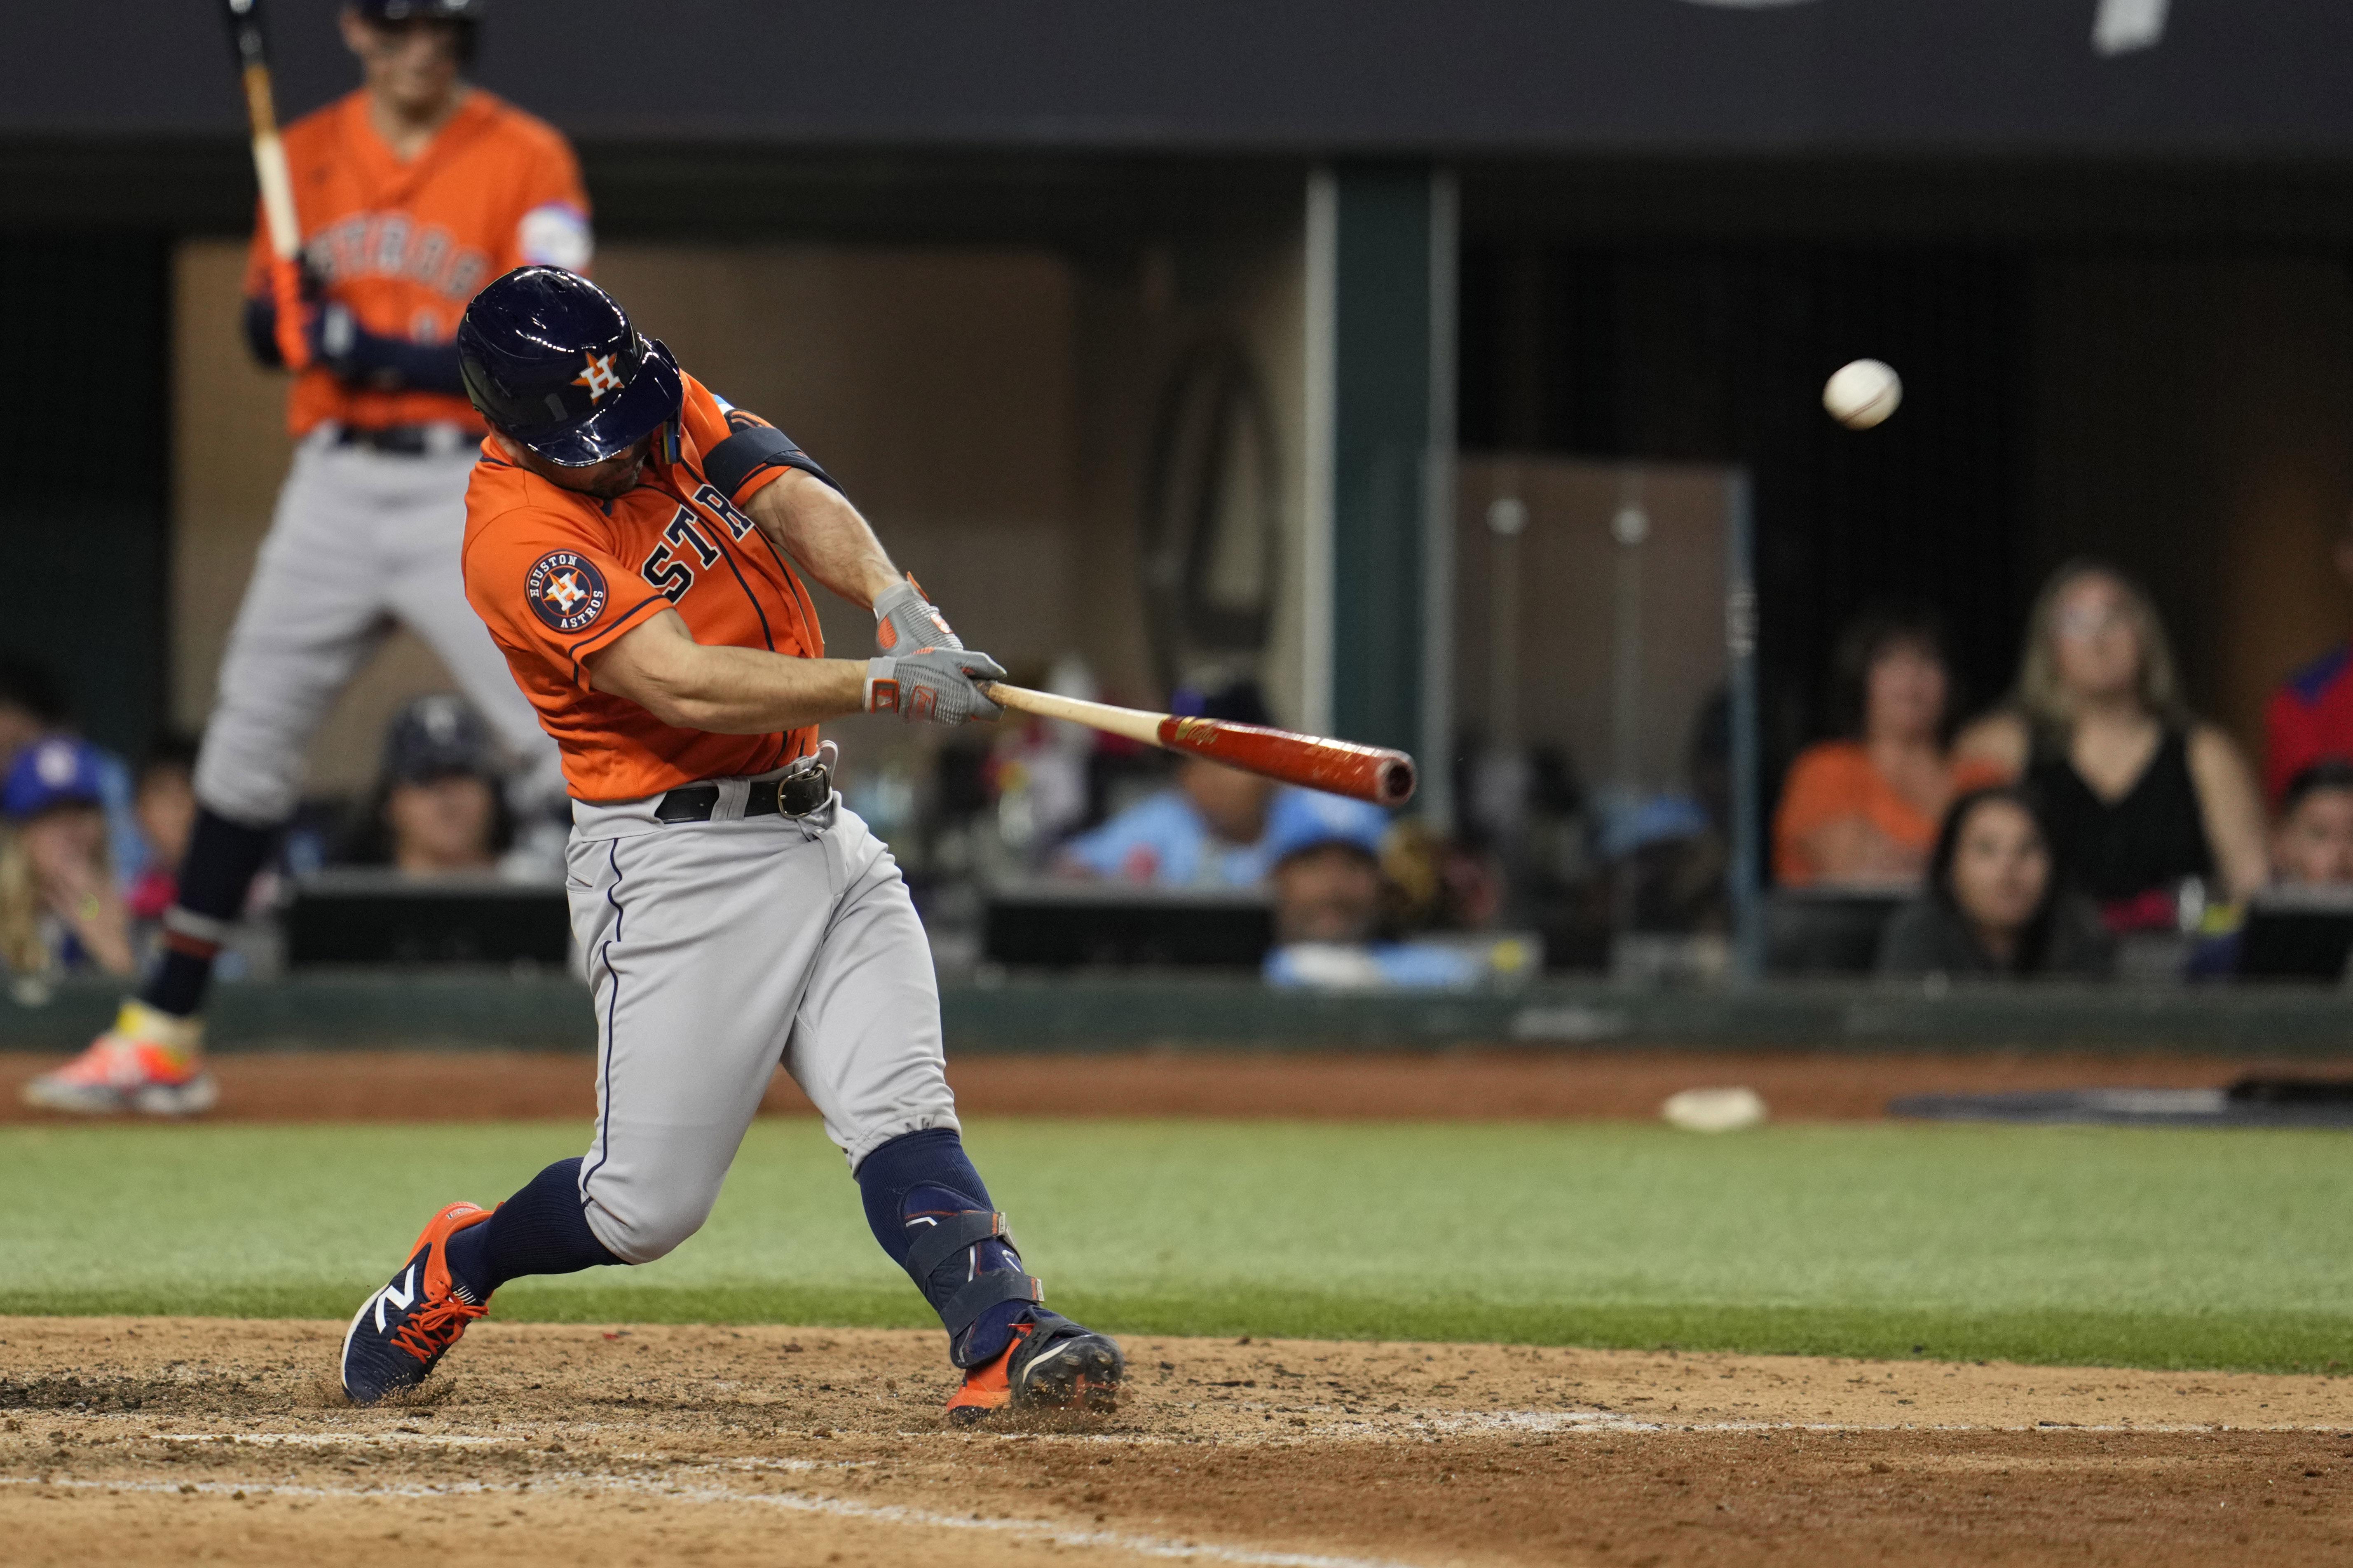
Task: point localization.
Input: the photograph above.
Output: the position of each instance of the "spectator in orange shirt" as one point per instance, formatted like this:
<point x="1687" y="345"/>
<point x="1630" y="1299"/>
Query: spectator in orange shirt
<point x="1861" y="811"/>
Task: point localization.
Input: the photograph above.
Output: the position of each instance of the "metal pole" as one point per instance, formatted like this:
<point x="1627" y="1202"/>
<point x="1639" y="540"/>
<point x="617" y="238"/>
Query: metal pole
<point x="1315" y="607"/>
<point x="1630" y="525"/>
<point x="1439" y="806"/>
<point x="1747" y="889"/>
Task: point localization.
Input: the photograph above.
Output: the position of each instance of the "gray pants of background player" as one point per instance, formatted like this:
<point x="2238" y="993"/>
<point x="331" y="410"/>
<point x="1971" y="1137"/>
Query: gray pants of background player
<point x="716" y="950"/>
<point x="359" y="540"/>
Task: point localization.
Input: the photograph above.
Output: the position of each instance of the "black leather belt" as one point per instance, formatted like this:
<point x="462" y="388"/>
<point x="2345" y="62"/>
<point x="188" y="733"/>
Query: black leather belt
<point x="795" y="794"/>
<point x="399" y="440"/>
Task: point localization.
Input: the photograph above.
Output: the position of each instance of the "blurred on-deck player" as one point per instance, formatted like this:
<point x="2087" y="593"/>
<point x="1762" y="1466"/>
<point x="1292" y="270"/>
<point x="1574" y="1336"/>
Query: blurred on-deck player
<point x="627" y="537"/>
<point x="413" y="191"/>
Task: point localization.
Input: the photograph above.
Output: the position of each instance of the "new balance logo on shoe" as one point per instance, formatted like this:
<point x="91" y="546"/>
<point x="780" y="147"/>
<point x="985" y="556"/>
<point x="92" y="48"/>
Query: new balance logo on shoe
<point x="400" y="1295"/>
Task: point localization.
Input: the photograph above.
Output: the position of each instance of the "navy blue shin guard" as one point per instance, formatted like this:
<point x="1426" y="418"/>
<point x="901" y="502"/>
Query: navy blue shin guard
<point x="542" y="1229"/>
<point x="931" y="1210"/>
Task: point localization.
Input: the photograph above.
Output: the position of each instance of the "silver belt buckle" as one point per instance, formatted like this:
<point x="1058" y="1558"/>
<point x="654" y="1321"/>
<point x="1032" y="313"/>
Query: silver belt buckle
<point x="795" y="781"/>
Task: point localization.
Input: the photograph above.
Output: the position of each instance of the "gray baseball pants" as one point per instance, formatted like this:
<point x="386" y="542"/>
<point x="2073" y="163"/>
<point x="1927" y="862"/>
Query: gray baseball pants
<point x="716" y="950"/>
<point x="359" y="540"/>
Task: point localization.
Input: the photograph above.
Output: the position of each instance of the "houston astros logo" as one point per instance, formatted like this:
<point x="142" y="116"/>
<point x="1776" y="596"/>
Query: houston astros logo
<point x="565" y="591"/>
<point x="599" y="378"/>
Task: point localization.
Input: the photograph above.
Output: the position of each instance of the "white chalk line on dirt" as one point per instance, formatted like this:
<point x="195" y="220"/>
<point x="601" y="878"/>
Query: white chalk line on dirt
<point x="796" y="1503"/>
<point x="463" y="1440"/>
<point x="1603" y="1421"/>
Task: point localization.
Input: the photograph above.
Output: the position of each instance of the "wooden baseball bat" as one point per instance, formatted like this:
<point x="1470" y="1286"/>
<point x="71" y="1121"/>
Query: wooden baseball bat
<point x="277" y="182"/>
<point x="1367" y="772"/>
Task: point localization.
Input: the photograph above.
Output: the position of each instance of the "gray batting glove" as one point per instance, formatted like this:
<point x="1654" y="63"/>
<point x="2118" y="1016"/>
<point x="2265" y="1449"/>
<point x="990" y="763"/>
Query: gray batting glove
<point x="933" y="684"/>
<point x="905" y="621"/>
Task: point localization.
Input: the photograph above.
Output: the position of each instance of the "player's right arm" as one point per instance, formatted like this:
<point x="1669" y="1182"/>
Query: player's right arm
<point x="659" y="666"/>
<point x="551" y="593"/>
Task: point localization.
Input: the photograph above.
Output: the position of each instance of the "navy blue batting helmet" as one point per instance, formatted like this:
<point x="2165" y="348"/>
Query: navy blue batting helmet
<point x="553" y="363"/>
<point x="394" y="13"/>
<point x="431" y="10"/>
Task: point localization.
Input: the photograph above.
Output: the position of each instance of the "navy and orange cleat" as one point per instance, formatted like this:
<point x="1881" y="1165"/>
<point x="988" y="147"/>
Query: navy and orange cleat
<point x="400" y="1333"/>
<point x="1052" y="1364"/>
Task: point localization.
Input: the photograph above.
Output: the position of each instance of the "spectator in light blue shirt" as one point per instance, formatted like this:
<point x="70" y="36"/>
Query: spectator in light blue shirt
<point x="1208" y="829"/>
<point x="1328" y="897"/>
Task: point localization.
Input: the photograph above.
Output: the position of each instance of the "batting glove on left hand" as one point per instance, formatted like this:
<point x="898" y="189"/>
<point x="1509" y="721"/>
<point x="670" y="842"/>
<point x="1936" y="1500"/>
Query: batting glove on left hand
<point x="905" y="621"/>
<point x="934" y="685"/>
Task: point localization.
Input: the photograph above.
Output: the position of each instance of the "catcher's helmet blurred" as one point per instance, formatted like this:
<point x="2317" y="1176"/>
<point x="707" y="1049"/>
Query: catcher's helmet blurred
<point x="553" y="362"/>
<point x="411" y="10"/>
<point x="469" y="12"/>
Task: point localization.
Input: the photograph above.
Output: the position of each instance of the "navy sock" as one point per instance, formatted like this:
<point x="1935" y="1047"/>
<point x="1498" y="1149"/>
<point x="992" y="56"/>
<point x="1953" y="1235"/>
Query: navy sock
<point x="925" y="1174"/>
<point x="223" y="859"/>
<point x="542" y="1229"/>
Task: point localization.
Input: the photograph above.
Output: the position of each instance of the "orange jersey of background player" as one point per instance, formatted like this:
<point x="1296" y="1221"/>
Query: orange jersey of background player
<point x="557" y="575"/>
<point x="404" y="245"/>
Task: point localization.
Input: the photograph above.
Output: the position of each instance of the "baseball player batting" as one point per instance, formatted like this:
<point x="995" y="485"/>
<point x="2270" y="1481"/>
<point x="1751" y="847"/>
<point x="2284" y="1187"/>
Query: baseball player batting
<point x="626" y="541"/>
<point x="412" y="192"/>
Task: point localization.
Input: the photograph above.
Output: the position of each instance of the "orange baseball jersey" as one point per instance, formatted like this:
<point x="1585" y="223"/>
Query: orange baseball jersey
<point x="404" y="246"/>
<point x="556" y="574"/>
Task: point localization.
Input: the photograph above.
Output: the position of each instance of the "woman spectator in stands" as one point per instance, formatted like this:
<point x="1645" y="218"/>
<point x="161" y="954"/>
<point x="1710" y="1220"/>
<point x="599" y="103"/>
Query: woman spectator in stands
<point x="1861" y="811"/>
<point x="61" y="910"/>
<point x="2142" y="798"/>
<point x="1993" y="907"/>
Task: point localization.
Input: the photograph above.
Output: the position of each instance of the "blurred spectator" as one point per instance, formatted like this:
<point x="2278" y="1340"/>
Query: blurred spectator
<point x="59" y="907"/>
<point x="1861" y="811"/>
<point x="1041" y="766"/>
<point x="1327" y="872"/>
<point x="32" y="704"/>
<point x="1331" y="899"/>
<point x="1993" y="906"/>
<point x="2151" y="811"/>
<point x="2311" y="712"/>
<point x="163" y="801"/>
<point x="2313" y="846"/>
<point x="1211" y="828"/>
<point x="437" y="807"/>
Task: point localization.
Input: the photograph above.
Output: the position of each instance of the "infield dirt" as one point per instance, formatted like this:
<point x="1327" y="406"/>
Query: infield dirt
<point x="1494" y="1083"/>
<point x="141" y="1441"/>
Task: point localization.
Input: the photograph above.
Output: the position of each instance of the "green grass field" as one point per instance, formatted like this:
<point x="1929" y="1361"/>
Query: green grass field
<point x="2156" y="1249"/>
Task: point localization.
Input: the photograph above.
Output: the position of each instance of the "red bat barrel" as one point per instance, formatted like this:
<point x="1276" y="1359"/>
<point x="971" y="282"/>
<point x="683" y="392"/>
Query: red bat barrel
<point x="1367" y="772"/>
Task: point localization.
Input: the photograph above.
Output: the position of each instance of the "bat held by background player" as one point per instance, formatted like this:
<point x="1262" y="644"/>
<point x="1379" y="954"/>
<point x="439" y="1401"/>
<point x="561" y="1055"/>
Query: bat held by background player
<point x="1376" y="773"/>
<point x="252" y="47"/>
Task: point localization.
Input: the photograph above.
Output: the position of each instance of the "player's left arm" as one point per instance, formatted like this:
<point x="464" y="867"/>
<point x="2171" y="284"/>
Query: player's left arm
<point x="2232" y="807"/>
<point x="817" y="525"/>
<point x="804" y="513"/>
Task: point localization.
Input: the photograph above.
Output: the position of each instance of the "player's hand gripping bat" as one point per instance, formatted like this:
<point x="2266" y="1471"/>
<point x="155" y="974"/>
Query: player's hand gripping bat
<point x="277" y="184"/>
<point x="1367" y="772"/>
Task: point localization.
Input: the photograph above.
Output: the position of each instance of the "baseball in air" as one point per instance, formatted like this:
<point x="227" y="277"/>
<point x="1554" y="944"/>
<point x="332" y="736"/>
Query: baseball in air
<point x="1861" y="393"/>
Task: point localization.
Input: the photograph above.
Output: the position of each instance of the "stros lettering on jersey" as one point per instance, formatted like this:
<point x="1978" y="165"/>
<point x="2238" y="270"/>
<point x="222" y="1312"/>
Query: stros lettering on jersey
<point x="404" y="245"/>
<point x="557" y="575"/>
